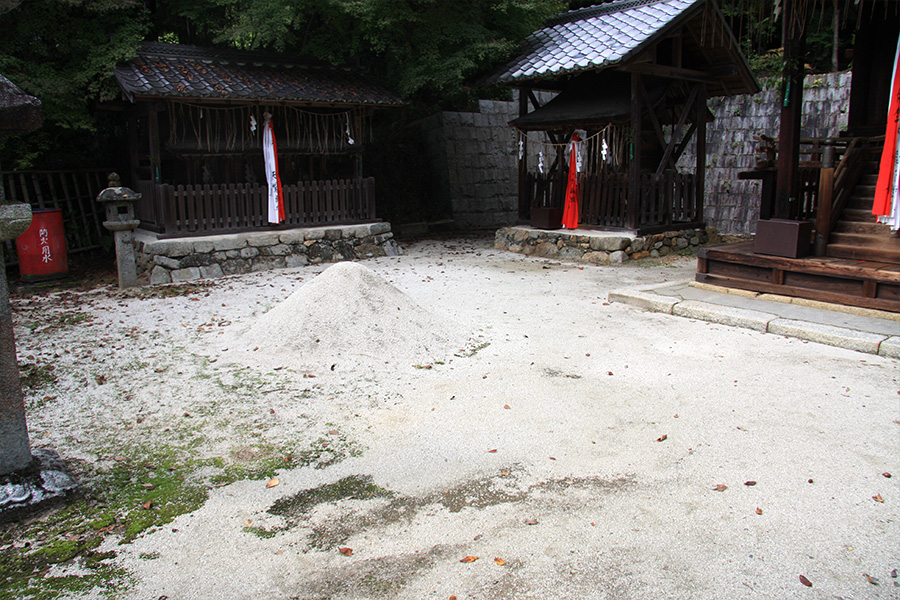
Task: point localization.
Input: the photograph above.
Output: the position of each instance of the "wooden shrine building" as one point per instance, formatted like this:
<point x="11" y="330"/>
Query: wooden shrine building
<point x="823" y="189"/>
<point x="634" y="76"/>
<point x="195" y="120"/>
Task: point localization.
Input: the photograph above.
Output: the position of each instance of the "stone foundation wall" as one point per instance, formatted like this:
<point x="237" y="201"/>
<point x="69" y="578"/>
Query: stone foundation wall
<point x="600" y="249"/>
<point x="186" y="259"/>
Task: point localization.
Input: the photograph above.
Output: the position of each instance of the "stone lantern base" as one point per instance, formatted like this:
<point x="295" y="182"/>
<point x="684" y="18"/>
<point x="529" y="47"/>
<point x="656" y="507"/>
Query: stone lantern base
<point x="44" y="484"/>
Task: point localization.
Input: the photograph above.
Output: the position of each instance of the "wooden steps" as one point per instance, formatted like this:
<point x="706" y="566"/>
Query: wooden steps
<point x="865" y="283"/>
<point x="856" y="235"/>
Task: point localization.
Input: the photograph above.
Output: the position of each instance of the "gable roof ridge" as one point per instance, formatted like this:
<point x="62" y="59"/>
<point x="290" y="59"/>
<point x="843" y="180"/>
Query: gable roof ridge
<point x="597" y="11"/>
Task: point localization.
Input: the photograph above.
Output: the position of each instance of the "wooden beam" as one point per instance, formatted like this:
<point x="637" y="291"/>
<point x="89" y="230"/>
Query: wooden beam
<point x="689" y="106"/>
<point x="669" y="72"/>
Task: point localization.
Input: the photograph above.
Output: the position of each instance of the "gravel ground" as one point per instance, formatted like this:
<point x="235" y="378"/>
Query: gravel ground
<point x="578" y="449"/>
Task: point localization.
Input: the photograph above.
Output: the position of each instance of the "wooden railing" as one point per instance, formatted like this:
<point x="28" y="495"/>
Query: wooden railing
<point x="175" y="210"/>
<point x="836" y="185"/>
<point x="72" y="191"/>
<point x="666" y="201"/>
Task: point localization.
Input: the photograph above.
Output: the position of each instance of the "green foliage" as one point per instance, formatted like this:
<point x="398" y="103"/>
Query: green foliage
<point x="62" y="52"/>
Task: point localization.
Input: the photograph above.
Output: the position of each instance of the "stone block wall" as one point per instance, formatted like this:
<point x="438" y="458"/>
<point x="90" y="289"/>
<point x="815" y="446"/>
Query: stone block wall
<point x="186" y="259"/>
<point x="475" y="155"/>
<point x="732" y="205"/>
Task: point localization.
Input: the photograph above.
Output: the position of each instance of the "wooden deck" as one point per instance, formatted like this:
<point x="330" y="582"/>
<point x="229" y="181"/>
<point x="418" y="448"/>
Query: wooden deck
<point x="839" y="280"/>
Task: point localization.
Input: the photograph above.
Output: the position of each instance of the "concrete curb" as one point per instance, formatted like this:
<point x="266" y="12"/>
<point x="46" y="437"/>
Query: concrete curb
<point x="656" y="300"/>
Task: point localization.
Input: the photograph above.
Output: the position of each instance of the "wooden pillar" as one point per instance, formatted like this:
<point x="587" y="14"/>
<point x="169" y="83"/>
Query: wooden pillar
<point x="633" y="214"/>
<point x="788" y="183"/>
<point x="153" y="128"/>
<point x="524" y="201"/>
<point x="700" y="176"/>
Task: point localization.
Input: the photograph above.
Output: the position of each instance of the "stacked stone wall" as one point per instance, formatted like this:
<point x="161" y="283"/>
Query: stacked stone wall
<point x="600" y="249"/>
<point x="186" y="259"/>
<point x="732" y="205"/>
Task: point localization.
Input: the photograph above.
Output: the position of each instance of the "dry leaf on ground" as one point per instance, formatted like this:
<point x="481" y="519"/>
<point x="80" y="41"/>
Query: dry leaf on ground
<point x="721" y="487"/>
<point x="662" y="438"/>
<point x="272" y="482"/>
<point x="468" y="559"/>
<point x="877" y="498"/>
<point x="346" y="551"/>
<point x="499" y="561"/>
<point x="805" y="581"/>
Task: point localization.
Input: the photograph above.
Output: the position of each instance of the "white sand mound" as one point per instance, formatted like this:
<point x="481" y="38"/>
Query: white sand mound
<point x="349" y="314"/>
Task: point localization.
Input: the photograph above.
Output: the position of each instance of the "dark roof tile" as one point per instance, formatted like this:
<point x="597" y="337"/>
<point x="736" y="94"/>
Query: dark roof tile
<point x="191" y="72"/>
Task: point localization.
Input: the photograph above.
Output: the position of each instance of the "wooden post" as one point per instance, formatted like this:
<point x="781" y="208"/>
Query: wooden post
<point x="153" y="128"/>
<point x="825" y="201"/>
<point x="632" y="217"/>
<point x="787" y="185"/>
<point x="700" y="177"/>
<point x="524" y="208"/>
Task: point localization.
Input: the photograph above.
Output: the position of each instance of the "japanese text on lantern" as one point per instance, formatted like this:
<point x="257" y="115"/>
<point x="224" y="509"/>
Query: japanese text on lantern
<point x="45" y="245"/>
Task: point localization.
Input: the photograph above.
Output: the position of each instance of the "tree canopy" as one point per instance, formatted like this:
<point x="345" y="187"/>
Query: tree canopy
<point x="63" y="51"/>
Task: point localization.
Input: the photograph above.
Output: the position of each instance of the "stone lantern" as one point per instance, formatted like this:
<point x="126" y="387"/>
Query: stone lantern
<point x="119" y="202"/>
<point x="29" y="481"/>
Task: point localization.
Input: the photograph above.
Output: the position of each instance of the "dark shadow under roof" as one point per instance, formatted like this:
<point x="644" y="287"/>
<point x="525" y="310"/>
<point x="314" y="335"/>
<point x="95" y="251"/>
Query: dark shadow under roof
<point x="179" y="72"/>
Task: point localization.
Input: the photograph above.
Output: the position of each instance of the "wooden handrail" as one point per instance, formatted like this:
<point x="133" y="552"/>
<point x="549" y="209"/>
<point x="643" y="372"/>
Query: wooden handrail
<point x="836" y="185"/>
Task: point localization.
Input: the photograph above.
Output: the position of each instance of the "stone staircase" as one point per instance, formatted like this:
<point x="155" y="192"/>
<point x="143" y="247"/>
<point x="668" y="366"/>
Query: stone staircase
<point x="856" y="235"/>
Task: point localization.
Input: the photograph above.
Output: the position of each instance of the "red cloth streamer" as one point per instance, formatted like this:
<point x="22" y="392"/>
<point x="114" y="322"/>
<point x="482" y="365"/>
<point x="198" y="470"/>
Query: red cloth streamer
<point x="882" y="205"/>
<point x="570" y="208"/>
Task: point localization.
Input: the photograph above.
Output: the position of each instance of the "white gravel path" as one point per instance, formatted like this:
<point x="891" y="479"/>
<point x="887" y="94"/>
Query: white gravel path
<point x="578" y="441"/>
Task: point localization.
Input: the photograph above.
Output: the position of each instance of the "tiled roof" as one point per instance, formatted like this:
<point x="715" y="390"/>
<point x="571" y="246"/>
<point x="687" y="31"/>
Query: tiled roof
<point x="195" y="73"/>
<point x="19" y="112"/>
<point x="592" y="38"/>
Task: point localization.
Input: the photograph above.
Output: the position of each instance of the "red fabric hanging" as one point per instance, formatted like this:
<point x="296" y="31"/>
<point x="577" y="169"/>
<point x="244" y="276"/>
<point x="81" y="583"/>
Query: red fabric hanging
<point x="570" y="208"/>
<point x="882" y="205"/>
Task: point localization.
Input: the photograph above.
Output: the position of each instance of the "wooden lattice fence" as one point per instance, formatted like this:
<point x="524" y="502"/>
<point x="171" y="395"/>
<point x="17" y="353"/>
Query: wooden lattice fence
<point x="74" y="192"/>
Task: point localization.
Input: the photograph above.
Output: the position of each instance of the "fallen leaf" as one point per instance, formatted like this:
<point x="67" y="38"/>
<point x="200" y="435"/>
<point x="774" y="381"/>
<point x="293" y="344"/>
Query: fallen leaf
<point x="506" y="406"/>
<point x="147" y="505"/>
<point x="805" y="581"/>
<point x="346" y="551"/>
<point x="877" y="498"/>
<point x="499" y="561"/>
<point x="468" y="559"/>
<point x="888" y="475"/>
<point x="552" y="458"/>
<point x="662" y="438"/>
<point x="494" y="451"/>
<point x="749" y="483"/>
<point x="870" y="579"/>
<point x="759" y="511"/>
<point x="531" y="521"/>
<point x="148" y="486"/>
<point x="272" y="482"/>
<point x="333" y="432"/>
<point x="452" y="597"/>
<point x="721" y="487"/>
<point x="247" y="523"/>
